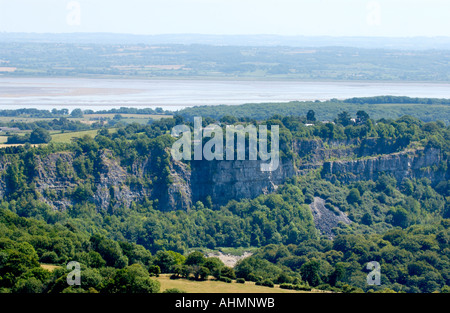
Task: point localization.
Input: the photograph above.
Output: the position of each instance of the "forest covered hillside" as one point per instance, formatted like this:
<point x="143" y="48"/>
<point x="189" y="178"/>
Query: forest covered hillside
<point x="348" y="192"/>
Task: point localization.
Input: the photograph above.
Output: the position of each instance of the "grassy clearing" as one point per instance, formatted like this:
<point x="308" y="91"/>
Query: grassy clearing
<point x="66" y="137"/>
<point x="212" y="286"/>
<point x="58" y="137"/>
<point x="49" y="267"/>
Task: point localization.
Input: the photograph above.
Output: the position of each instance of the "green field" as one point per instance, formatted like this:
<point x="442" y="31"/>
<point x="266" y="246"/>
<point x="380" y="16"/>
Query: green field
<point x="213" y="286"/>
<point x="66" y="137"/>
<point x="208" y="286"/>
<point x="59" y="137"/>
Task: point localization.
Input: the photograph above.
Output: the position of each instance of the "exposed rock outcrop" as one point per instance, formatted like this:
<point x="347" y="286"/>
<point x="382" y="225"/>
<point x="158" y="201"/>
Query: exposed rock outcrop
<point x="226" y="180"/>
<point x="406" y="164"/>
<point x="115" y="185"/>
<point x="179" y="193"/>
<point x="314" y="152"/>
<point x="326" y="219"/>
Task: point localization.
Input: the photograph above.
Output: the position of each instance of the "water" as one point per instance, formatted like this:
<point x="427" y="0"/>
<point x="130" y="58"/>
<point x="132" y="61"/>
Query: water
<point x="103" y="94"/>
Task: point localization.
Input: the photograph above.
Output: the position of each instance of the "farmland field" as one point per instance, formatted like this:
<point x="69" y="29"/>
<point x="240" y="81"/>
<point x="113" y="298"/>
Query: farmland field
<point x="212" y="286"/>
<point x="67" y="136"/>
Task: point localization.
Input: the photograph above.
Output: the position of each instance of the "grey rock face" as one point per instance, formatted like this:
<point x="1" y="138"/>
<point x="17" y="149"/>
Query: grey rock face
<point x="226" y="180"/>
<point x="325" y="219"/>
<point x="116" y="186"/>
<point x="407" y="164"/>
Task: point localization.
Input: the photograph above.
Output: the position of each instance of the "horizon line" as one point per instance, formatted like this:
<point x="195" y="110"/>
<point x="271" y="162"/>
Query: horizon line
<point x="222" y="35"/>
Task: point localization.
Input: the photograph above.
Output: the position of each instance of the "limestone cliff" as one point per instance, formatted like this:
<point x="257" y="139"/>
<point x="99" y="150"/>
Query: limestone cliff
<point x="406" y="164"/>
<point x="314" y="152"/>
<point x="114" y="185"/>
<point x="226" y="180"/>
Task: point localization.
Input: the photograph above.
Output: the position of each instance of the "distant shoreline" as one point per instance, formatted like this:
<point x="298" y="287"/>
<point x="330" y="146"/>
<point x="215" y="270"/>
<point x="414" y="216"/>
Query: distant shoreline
<point x="175" y="94"/>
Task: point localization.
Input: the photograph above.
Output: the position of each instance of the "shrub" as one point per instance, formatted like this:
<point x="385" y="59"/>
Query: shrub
<point x="225" y="279"/>
<point x="266" y="283"/>
<point x="154" y="270"/>
<point x="227" y="271"/>
<point x="174" y="290"/>
<point x="354" y="196"/>
<point x="287" y="286"/>
<point x="49" y="257"/>
<point x="240" y="281"/>
<point x="302" y="287"/>
<point x="253" y="277"/>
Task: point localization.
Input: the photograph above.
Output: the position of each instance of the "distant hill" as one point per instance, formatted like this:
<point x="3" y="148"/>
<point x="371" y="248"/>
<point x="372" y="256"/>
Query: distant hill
<point x="401" y="43"/>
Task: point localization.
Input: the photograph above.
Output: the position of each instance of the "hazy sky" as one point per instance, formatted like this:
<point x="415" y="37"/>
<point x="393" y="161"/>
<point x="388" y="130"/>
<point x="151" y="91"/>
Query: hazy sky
<point x="282" y="17"/>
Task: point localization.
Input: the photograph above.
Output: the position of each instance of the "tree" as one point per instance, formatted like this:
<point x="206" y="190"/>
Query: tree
<point x="200" y="272"/>
<point x="195" y="258"/>
<point x="154" y="270"/>
<point x="76" y="113"/>
<point x="15" y="180"/>
<point x="361" y="117"/>
<point x="228" y="119"/>
<point x="337" y="275"/>
<point x="344" y="119"/>
<point x="110" y="251"/>
<point x="133" y="279"/>
<point x="399" y="217"/>
<point x="311" y="116"/>
<point x="407" y="187"/>
<point x="214" y="265"/>
<point x="40" y="135"/>
<point x="354" y="196"/>
<point x="29" y="285"/>
<point x="310" y="272"/>
<point x="164" y="260"/>
<point x="367" y="219"/>
<point x="227" y="271"/>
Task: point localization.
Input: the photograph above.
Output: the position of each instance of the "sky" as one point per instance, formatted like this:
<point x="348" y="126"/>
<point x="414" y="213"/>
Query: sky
<point x="385" y="18"/>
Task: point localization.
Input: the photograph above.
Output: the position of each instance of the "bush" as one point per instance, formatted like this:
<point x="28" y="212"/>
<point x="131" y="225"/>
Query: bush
<point x="40" y="135"/>
<point x="174" y="290"/>
<point x="287" y="286"/>
<point x="253" y="277"/>
<point x="266" y="283"/>
<point x="354" y="196"/>
<point x="225" y="279"/>
<point x="302" y="287"/>
<point x="49" y="257"/>
<point x="154" y="270"/>
<point x="240" y="281"/>
<point x="227" y="271"/>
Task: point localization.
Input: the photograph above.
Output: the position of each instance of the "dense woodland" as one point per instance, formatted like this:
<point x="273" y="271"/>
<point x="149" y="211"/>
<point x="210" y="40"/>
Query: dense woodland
<point x="403" y="225"/>
<point x="427" y="110"/>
